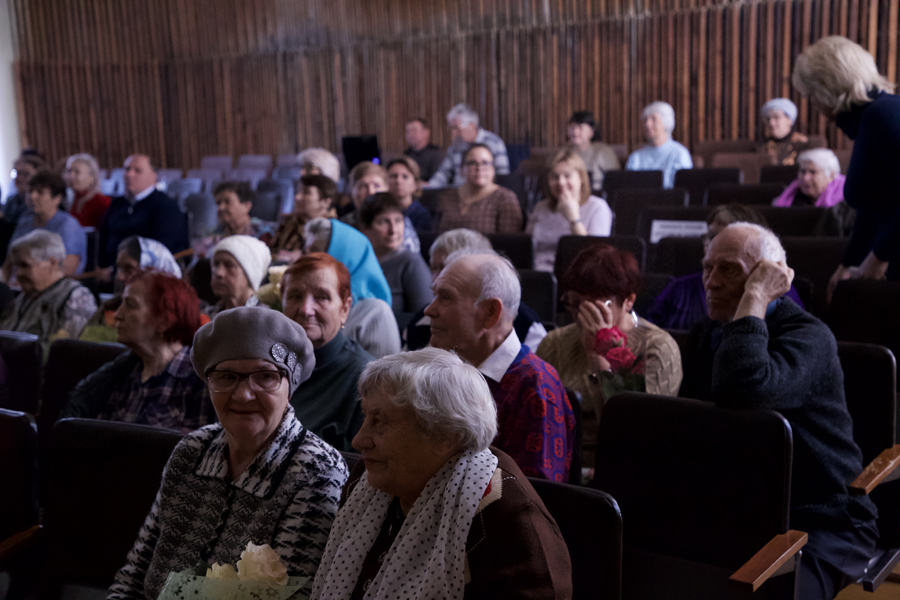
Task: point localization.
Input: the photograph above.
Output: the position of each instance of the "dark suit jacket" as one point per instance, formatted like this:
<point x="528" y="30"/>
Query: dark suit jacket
<point x="156" y="217"/>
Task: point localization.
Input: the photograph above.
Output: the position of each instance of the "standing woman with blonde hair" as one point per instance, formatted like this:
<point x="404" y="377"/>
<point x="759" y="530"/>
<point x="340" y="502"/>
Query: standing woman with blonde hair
<point x="843" y="83"/>
<point x="569" y="209"/>
<point x="83" y="176"/>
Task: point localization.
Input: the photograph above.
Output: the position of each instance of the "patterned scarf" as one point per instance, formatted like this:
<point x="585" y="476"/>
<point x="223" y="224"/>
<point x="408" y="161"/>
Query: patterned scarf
<point x="431" y="543"/>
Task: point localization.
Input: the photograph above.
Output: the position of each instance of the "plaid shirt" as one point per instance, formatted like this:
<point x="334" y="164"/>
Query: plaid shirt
<point x="174" y="399"/>
<point x="498" y="212"/>
<point x="450" y="171"/>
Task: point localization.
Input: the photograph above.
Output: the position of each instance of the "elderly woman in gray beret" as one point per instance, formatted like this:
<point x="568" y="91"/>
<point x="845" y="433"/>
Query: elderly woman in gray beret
<point x="431" y="510"/>
<point x="258" y="475"/>
<point x="783" y="144"/>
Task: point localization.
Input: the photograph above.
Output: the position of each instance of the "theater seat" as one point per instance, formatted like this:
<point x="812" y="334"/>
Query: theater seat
<point x="18" y="474"/>
<point x="591" y="525"/>
<point x="627" y="204"/>
<point x="785" y="174"/>
<point x="102" y="479"/>
<point x="870" y="386"/>
<point x="539" y="293"/>
<point x="865" y="310"/>
<point x="220" y="162"/>
<point x="517" y="247"/>
<point x="696" y="181"/>
<point x="752" y="194"/>
<point x="23" y="356"/>
<point x="68" y="362"/>
<point x="702" y="491"/>
<point x="613" y="181"/>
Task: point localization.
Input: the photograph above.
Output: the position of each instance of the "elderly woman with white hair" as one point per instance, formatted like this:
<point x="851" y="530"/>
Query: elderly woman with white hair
<point x="843" y="83"/>
<point x="782" y="144"/>
<point x="83" y="177"/>
<point x="465" y="130"/>
<point x="319" y="161"/>
<point x="50" y="304"/>
<point x="819" y="181"/>
<point x="661" y="153"/>
<point x="427" y="467"/>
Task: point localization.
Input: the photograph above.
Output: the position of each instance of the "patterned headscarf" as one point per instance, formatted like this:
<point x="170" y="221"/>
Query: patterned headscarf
<point x="154" y="255"/>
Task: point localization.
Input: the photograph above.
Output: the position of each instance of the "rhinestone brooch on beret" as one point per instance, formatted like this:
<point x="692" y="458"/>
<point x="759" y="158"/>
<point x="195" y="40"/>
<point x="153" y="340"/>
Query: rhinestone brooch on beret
<point x="291" y="361"/>
<point x="279" y="352"/>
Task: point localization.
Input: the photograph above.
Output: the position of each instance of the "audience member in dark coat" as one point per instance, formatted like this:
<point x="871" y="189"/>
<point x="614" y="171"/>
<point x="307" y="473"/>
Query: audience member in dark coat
<point x="143" y="211"/>
<point x="763" y="351"/>
<point x="843" y="81"/>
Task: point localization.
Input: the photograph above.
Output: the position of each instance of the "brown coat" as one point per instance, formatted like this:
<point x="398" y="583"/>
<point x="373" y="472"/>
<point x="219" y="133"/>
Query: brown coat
<point x="514" y="549"/>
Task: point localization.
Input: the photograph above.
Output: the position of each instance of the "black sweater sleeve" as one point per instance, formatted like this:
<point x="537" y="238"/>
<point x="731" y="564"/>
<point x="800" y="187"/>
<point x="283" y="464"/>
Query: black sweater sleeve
<point x="750" y="370"/>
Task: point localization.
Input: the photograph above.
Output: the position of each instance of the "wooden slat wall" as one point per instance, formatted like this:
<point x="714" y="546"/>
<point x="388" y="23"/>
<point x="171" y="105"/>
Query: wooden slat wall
<point x="181" y="79"/>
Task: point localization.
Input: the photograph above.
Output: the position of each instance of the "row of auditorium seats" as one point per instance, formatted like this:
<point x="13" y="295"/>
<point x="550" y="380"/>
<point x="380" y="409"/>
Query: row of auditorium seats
<point x="657" y="528"/>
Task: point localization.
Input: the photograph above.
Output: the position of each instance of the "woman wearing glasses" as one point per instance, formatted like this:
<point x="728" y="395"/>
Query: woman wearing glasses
<point x="480" y="204"/>
<point x="258" y="475"/>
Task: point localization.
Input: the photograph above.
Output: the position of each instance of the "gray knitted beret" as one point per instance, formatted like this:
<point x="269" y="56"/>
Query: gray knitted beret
<point x="252" y="332"/>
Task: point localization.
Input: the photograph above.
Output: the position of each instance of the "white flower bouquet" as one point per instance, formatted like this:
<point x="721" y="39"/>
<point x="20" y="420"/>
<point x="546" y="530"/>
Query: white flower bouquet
<point x="259" y="574"/>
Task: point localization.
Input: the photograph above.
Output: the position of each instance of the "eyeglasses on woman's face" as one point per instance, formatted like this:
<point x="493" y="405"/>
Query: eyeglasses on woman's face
<point x="479" y="164"/>
<point x="260" y="381"/>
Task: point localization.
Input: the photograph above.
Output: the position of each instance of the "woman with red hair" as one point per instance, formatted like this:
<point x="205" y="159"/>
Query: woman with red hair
<point x="602" y="284"/>
<point x="154" y="383"/>
<point x="316" y="293"/>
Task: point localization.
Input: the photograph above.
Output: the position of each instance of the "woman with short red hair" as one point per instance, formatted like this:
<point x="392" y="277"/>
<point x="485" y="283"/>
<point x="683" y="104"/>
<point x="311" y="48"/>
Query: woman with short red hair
<point x="154" y="383"/>
<point x="602" y="285"/>
<point x="316" y="293"/>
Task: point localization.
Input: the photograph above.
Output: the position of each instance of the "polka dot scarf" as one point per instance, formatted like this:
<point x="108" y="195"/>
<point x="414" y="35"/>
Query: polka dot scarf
<point x="427" y="560"/>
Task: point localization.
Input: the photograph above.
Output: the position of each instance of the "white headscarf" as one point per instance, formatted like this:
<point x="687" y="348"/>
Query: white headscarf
<point x="154" y="255"/>
<point x="431" y="543"/>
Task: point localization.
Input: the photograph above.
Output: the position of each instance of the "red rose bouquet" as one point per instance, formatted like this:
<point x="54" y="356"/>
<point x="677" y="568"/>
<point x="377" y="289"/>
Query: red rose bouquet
<point x="626" y="371"/>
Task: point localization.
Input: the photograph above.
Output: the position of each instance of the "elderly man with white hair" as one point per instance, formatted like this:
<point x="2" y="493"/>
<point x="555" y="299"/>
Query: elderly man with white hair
<point x="50" y="305"/>
<point x="783" y="144"/>
<point x="819" y="181"/>
<point x="527" y="323"/>
<point x="476" y="301"/>
<point x="661" y="153"/>
<point x="464" y="128"/>
<point x="760" y="350"/>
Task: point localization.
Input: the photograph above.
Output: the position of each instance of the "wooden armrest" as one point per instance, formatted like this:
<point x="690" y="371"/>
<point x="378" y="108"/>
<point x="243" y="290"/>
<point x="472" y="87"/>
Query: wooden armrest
<point x="767" y="561"/>
<point x="18" y="542"/>
<point x="883" y="465"/>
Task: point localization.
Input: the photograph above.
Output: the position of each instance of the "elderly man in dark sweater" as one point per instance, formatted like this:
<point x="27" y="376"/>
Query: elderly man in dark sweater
<point x="760" y="350"/>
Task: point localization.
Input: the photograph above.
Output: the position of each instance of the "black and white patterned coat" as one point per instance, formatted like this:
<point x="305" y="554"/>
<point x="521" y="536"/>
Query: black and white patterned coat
<point x="286" y="498"/>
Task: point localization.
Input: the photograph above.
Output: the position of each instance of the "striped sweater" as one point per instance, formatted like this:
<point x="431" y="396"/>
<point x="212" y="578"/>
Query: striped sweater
<point x="286" y="498"/>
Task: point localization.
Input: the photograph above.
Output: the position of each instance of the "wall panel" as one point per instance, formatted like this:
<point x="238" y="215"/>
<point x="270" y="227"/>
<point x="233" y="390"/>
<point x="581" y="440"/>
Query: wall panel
<point x="185" y="78"/>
